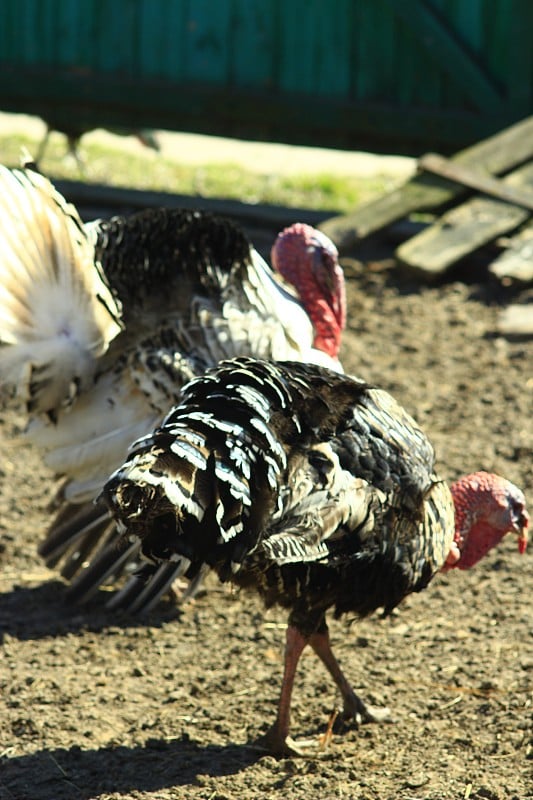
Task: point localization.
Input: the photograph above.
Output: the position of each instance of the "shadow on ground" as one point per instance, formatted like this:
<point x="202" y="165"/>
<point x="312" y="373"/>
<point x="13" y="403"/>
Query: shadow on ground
<point x="41" y="611"/>
<point x="83" y="774"/>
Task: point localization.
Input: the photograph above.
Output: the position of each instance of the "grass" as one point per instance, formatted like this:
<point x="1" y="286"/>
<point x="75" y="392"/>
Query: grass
<point x="122" y="167"/>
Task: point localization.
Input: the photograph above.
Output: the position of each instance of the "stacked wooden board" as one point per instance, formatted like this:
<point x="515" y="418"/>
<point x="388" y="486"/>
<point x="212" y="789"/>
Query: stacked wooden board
<point x="483" y="194"/>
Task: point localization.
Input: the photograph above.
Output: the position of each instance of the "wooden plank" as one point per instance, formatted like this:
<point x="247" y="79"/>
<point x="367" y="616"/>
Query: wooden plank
<point x="121" y="200"/>
<point x="444" y="45"/>
<point x="332" y="50"/>
<point x="464" y="229"/>
<point x="516" y="262"/>
<point x="159" y="49"/>
<point x="313" y="47"/>
<point x="412" y="61"/>
<point x="371" y="67"/>
<point x="432" y="162"/>
<point x="497" y="154"/>
<point x="516" y="321"/>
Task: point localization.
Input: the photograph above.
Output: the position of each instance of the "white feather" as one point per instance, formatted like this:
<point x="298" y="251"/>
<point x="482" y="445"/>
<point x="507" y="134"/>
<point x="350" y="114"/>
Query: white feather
<point x="57" y="315"/>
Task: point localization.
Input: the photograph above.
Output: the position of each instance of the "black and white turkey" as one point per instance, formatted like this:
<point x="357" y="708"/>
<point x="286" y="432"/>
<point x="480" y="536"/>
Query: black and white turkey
<point x="314" y="490"/>
<point x="101" y="325"/>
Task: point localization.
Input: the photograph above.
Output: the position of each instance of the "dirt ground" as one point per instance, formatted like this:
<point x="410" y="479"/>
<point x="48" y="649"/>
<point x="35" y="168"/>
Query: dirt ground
<point x="99" y="706"/>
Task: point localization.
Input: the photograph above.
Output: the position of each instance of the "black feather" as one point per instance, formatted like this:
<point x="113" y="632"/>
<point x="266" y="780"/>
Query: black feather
<point x="254" y="422"/>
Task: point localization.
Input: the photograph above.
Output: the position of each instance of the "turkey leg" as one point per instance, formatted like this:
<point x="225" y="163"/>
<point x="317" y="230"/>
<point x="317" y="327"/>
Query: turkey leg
<point x="277" y="739"/>
<point x="354" y="707"/>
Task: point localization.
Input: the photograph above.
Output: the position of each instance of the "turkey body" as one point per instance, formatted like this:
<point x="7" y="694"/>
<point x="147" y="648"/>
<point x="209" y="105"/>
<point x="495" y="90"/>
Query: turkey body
<point x="74" y="132"/>
<point x="297" y="481"/>
<point x="102" y="324"/>
<point x="313" y="489"/>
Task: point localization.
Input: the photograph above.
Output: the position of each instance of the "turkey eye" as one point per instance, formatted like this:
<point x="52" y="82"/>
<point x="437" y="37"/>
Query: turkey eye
<point x="522" y="519"/>
<point x="517" y="513"/>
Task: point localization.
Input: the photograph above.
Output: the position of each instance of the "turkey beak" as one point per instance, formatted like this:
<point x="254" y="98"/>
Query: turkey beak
<point x="523" y="534"/>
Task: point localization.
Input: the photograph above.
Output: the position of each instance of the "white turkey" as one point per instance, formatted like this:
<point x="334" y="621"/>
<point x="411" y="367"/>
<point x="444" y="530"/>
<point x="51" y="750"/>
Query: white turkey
<point x="101" y="325"/>
<point x="311" y="488"/>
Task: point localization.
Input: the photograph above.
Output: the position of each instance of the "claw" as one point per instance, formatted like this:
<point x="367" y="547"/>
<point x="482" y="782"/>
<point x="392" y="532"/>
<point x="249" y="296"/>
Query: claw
<point x="287" y="747"/>
<point x="357" y="710"/>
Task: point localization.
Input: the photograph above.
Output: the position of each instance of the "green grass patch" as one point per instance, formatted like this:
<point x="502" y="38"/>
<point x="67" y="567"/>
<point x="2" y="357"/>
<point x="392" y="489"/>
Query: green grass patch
<point x="154" y="171"/>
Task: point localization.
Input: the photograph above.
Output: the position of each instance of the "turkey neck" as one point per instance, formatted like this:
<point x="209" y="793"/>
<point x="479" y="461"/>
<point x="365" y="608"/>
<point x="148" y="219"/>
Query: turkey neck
<point x="327" y="324"/>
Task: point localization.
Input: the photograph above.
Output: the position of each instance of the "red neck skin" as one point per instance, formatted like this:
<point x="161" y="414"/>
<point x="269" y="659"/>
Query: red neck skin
<point x="480" y="519"/>
<point x="326" y="327"/>
<point x="298" y="257"/>
<point x="481" y="538"/>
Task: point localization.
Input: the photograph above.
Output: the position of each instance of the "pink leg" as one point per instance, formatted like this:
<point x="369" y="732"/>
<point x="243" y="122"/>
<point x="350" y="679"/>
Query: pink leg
<point x="353" y="705"/>
<point x="277" y="739"/>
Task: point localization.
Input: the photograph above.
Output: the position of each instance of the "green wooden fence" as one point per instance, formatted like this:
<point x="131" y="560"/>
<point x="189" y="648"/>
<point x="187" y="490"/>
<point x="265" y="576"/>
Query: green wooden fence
<point x="396" y="75"/>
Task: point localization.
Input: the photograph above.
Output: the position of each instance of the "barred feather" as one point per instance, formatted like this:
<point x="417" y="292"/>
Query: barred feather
<point x="313" y="489"/>
<point x="263" y="466"/>
<point x="102" y="324"/>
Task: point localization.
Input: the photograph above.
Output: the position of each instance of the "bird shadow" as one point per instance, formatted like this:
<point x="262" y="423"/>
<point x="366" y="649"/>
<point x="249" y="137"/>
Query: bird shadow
<point x="77" y="774"/>
<point x="41" y="611"/>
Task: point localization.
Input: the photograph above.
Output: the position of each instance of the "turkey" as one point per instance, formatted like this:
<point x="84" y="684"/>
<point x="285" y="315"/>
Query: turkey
<point x="313" y="489"/>
<point x="73" y="131"/>
<point x="102" y="324"/>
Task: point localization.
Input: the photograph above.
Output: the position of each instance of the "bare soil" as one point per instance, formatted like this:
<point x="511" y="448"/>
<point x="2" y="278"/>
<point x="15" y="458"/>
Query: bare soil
<point x="99" y="706"/>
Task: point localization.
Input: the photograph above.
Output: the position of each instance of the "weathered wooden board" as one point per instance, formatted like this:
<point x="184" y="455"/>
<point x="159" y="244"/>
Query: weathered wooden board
<point x="486" y="184"/>
<point x="517" y="321"/>
<point x="123" y="200"/>
<point x="515" y="263"/>
<point x="465" y="228"/>
<point x="495" y="155"/>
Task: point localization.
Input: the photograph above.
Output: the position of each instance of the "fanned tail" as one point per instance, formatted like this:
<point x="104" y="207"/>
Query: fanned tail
<point x="71" y="531"/>
<point x="151" y="582"/>
<point x="57" y="316"/>
<point x="92" y="553"/>
<point x="113" y="559"/>
<point x="85" y="540"/>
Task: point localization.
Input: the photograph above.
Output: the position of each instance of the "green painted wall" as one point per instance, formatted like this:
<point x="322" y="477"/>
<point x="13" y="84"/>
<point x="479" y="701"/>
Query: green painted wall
<point x="404" y="75"/>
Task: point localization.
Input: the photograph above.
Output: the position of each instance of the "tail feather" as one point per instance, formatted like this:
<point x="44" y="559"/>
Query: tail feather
<point x="195" y="583"/>
<point x="57" y="316"/>
<point x="70" y="529"/>
<point x="126" y="596"/>
<point x="93" y="553"/>
<point x="109" y="563"/>
<point x="84" y="552"/>
<point x="88" y="462"/>
<point x="145" y="588"/>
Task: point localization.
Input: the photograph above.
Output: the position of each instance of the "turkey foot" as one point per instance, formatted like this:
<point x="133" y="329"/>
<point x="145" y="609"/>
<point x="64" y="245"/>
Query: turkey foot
<point x="354" y="708"/>
<point x="278" y="743"/>
<point x="282" y="745"/>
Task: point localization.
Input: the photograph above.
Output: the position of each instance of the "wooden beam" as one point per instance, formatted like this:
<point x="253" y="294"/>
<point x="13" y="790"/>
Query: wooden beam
<point x="515" y="263"/>
<point x="464" y="229"/>
<point x="432" y="162"/>
<point x="118" y="200"/>
<point x="107" y="100"/>
<point x="495" y="155"/>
